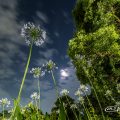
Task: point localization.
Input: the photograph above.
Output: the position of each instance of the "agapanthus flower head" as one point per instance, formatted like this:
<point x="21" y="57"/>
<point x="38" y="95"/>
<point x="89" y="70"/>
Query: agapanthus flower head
<point x="118" y="88"/>
<point x="78" y="93"/>
<point x="23" y="110"/>
<point x="58" y="111"/>
<point x="33" y="34"/>
<point x="50" y="65"/>
<point x="108" y="93"/>
<point x="35" y="96"/>
<point x="73" y="106"/>
<point x="81" y="99"/>
<point x="37" y="72"/>
<point x="64" y="92"/>
<point x="5" y="102"/>
<point x="84" y="88"/>
<point x="118" y="103"/>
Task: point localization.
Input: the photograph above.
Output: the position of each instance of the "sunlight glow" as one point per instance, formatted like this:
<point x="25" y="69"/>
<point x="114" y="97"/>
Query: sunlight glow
<point x="64" y="73"/>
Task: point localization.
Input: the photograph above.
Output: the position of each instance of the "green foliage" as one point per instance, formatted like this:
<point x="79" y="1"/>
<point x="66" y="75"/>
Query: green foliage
<point x="63" y="108"/>
<point x="30" y="113"/>
<point x="95" y="49"/>
<point x="62" y="114"/>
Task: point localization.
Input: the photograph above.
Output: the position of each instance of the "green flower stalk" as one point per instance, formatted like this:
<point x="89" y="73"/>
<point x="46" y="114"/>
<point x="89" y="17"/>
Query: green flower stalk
<point x="37" y="73"/>
<point x="33" y="35"/>
<point x="4" y="102"/>
<point x="50" y="66"/>
<point x="65" y="93"/>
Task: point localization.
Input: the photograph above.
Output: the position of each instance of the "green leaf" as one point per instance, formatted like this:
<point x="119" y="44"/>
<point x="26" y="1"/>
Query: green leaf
<point x="62" y="114"/>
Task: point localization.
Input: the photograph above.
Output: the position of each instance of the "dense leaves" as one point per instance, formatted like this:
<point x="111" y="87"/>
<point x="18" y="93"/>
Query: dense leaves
<point x="95" y="48"/>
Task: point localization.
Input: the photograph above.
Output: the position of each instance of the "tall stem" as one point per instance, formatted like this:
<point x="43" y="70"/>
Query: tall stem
<point x="3" y="111"/>
<point x="91" y="106"/>
<point x="96" y="95"/>
<point x="36" y="103"/>
<point x="87" y="112"/>
<point x="23" y="80"/>
<point x="55" y="84"/>
<point x="57" y="93"/>
<point x="25" y="73"/>
<point x="39" y="93"/>
<point x="72" y="109"/>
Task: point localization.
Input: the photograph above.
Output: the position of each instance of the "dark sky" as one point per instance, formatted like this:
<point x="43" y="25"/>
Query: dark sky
<point x="55" y="16"/>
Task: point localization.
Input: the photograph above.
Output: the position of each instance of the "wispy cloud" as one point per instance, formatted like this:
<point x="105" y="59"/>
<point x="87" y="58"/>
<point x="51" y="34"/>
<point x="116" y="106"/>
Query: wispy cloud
<point x="8" y="14"/>
<point x="42" y="17"/>
<point x="56" y="34"/>
<point x="67" y="18"/>
<point x="44" y="56"/>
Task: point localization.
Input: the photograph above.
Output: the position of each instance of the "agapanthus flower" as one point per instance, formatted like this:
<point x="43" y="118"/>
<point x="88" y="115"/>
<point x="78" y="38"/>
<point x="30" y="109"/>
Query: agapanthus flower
<point x="50" y="65"/>
<point x="73" y="106"/>
<point x="118" y="103"/>
<point x="58" y="111"/>
<point x="35" y="96"/>
<point x="118" y="88"/>
<point x="108" y="93"/>
<point x="37" y="72"/>
<point x="64" y="92"/>
<point x="5" y="102"/>
<point x="33" y="34"/>
<point x="78" y="93"/>
<point x="23" y="110"/>
<point x="84" y="88"/>
<point x="81" y="99"/>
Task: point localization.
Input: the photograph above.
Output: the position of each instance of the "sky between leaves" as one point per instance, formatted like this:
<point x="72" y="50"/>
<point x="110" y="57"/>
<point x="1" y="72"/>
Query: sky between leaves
<point x="55" y="17"/>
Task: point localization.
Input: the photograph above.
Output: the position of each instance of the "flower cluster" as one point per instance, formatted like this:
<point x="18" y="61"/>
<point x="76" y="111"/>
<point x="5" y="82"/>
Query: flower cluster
<point x="108" y="93"/>
<point x="35" y="96"/>
<point x="73" y="106"/>
<point x="50" y="65"/>
<point x="118" y="103"/>
<point x="81" y="99"/>
<point x="33" y="34"/>
<point x="84" y="88"/>
<point x="80" y="92"/>
<point x="5" y="102"/>
<point x="37" y="72"/>
<point x="64" y="92"/>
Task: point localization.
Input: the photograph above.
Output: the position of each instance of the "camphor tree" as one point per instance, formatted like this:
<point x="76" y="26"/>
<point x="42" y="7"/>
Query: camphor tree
<point x="95" y="52"/>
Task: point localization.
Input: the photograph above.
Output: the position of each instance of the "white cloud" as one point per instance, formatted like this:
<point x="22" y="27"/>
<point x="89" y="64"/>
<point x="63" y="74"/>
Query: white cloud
<point x="70" y="81"/>
<point x="8" y="24"/>
<point x="9" y="39"/>
<point x="48" y="54"/>
<point x="64" y="73"/>
<point x="45" y="56"/>
<point x="42" y="16"/>
<point x="70" y="72"/>
<point x="9" y="51"/>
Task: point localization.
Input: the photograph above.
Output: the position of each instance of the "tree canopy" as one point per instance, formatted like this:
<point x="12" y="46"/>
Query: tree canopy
<point x="95" y="49"/>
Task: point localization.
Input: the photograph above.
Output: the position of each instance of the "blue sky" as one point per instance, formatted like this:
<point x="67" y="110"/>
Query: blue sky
<point x="55" y="17"/>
